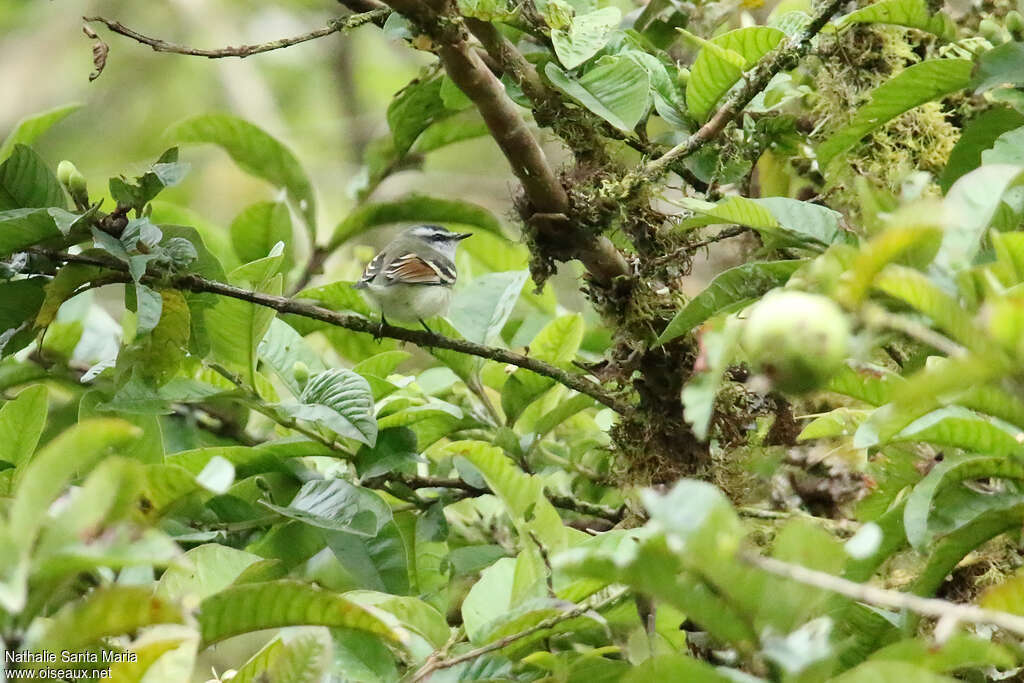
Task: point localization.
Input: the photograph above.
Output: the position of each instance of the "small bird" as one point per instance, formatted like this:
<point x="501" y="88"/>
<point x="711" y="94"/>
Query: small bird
<point x="412" y="277"/>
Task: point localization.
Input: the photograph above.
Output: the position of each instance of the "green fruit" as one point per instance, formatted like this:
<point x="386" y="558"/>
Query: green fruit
<point x="797" y="340"/>
<point x="301" y="373"/>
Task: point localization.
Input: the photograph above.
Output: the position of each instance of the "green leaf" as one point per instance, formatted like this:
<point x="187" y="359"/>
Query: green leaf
<point x="105" y="612"/>
<point x="616" y="89"/>
<point x="256" y="152"/>
<point x="951" y="471"/>
<point x="259" y="227"/>
<point x="26" y="182"/>
<point x="914" y="288"/>
<point x="378" y="562"/>
<point x="282" y="347"/>
<point x="20" y="301"/>
<point x="972" y="202"/>
<point x="300" y="659"/>
<point x="1002" y="65"/>
<point x="729" y="291"/>
<point x="978" y="135"/>
<point x="413" y="208"/>
<point x="337" y="505"/>
<point x="957" y="427"/>
<point x="277" y="604"/>
<point x="340" y="400"/>
<point x="413" y="110"/>
<point x="489" y="598"/>
<point x="481" y="310"/>
<point x="557" y="344"/>
<point x="833" y="424"/>
<point x="20" y="228"/>
<point x="890" y="672"/>
<point x="587" y="34"/>
<point x="21" y="424"/>
<point x="915" y="85"/>
<point x="28" y="129"/>
<point x="202" y="572"/>
<point x="699" y="394"/>
<point x="713" y="74"/>
<point x="675" y="667"/>
<point x="160" y="354"/>
<point x="960" y="651"/>
<point x="1007" y="149"/>
<point x="411" y="612"/>
<point x="235" y="329"/>
<point x="362" y="657"/>
<point x="893" y="244"/>
<point x="910" y="13"/>
<point x="801" y="223"/>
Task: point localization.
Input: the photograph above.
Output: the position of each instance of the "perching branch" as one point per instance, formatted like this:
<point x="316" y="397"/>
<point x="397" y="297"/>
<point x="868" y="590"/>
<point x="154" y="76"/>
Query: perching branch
<point x="433" y="665"/>
<point x="948" y="612"/>
<point x="756" y="81"/>
<point x="335" y="26"/>
<point x="356" y="323"/>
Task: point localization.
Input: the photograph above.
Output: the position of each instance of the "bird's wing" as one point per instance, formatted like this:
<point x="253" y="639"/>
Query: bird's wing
<point x="371" y="271"/>
<point x="414" y="270"/>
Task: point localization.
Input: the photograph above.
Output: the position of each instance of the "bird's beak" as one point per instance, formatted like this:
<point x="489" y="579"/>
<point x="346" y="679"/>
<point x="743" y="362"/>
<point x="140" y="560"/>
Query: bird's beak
<point x="459" y="236"/>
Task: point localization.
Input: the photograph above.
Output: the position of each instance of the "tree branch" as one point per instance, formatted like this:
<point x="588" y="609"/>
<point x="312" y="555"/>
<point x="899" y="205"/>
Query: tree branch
<point x="356" y="323"/>
<point x="757" y="80"/>
<point x="242" y="51"/>
<point x="948" y="612"/>
<point x="433" y="665"/>
<point x="542" y="187"/>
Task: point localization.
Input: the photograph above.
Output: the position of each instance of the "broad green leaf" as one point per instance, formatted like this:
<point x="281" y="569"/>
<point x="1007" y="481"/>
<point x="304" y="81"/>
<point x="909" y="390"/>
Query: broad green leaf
<point x="256" y="152"/>
<point x="730" y="210"/>
<point x="105" y="612"/>
<point x="259" y="227"/>
<point x="523" y="494"/>
<point x="235" y="329"/>
<point x="411" y="612"/>
<point x="20" y="228"/>
<point x="378" y="563"/>
<point x="562" y="412"/>
<point x="1007" y="149"/>
<point x="214" y="237"/>
<point x="159" y="355"/>
<point x="960" y="651"/>
<point x="945" y="555"/>
<point x="892" y="244"/>
<point x="1000" y="66"/>
<point x="807" y="225"/>
<point x="362" y="657"/>
<point x="675" y="667"/>
<point x="299" y="659"/>
<point x="616" y="89"/>
<point x="957" y="427"/>
<point x="21" y="424"/>
<point x="72" y="453"/>
<point x="978" y="135"/>
<point x="586" y="35"/>
<point x="413" y="110"/>
<point x="914" y="288"/>
<point x="480" y="310"/>
<point x="712" y="74"/>
<point x="282" y="347"/>
<point x="277" y="604"/>
<point x="951" y="471"/>
<point x="1007" y="596"/>
<point x="971" y="204"/>
<point x="890" y="672"/>
<point x="337" y="505"/>
<point x="915" y="85"/>
<point x="833" y="424"/>
<point x="340" y="400"/>
<point x="27" y="183"/>
<point x="202" y="572"/>
<point x="557" y="344"/>
<point x="727" y="292"/>
<point x="489" y="598"/>
<point x="910" y="13"/>
<point x="148" y="650"/>
<point x="413" y="208"/>
<point x="27" y="130"/>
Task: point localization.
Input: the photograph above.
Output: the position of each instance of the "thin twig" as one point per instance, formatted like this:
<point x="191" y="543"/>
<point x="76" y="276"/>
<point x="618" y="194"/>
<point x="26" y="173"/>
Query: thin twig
<point x="880" y="597"/>
<point x="431" y="666"/>
<point x="776" y="61"/>
<point x="335" y="26"/>
<point x="725" y="234"/>
<point x="356" y="323"/>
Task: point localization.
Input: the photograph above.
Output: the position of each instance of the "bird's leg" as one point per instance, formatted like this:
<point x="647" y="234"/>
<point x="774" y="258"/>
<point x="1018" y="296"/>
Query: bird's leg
<point x="426" y="327"/>
<point x="380" y="328"/>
